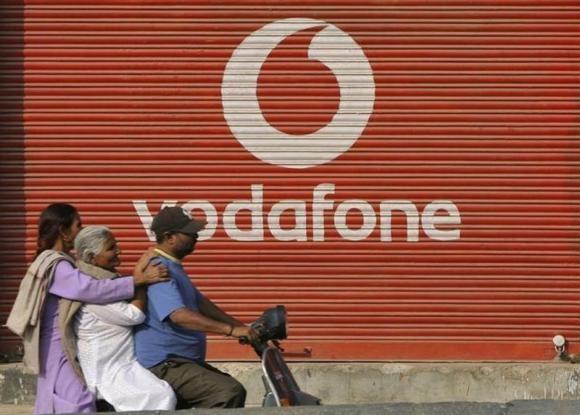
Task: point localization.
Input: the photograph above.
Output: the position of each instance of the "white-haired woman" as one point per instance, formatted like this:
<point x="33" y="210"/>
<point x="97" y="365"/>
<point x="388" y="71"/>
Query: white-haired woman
<point x="105" y="334"/>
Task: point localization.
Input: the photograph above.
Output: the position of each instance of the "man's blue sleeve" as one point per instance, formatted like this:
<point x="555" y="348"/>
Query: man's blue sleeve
<point x="164" y="298"/>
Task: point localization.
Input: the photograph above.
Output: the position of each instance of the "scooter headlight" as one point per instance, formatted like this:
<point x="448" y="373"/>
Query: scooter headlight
<point x="273" y="324"/>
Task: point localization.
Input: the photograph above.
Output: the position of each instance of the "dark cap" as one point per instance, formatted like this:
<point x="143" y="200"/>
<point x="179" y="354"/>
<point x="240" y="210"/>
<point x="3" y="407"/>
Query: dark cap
<point x="175" y="219"/>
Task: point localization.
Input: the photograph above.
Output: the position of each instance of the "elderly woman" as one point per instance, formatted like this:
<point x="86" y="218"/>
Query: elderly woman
<point x="105" y="334"/>
<point x="48" y="298"/>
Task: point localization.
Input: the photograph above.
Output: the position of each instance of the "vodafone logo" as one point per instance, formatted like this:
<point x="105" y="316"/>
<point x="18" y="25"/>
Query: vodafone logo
<point x="330" y="46"/>
<point x="321" y="216"/>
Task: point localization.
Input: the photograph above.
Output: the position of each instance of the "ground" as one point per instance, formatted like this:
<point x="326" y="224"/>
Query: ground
<point x="15" y="409"/>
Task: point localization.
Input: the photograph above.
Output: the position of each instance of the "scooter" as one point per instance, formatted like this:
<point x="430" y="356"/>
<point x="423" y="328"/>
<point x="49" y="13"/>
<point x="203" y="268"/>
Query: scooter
<point x="281" y="387"/>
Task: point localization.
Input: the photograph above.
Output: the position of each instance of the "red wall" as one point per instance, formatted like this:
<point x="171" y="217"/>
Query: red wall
<point x="467" y="105"/>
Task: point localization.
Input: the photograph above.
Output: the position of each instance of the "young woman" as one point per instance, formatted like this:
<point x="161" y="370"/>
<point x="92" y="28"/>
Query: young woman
<point x="105" y="334"/>
<point x="42" y="310"/>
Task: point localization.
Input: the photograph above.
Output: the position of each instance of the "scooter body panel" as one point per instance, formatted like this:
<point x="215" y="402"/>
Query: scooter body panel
<point x="281" y="387"/>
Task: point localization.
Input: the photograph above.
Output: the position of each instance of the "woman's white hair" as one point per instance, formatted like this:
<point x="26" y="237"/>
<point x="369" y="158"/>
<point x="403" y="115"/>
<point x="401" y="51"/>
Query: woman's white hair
<point x="90" y="242"/>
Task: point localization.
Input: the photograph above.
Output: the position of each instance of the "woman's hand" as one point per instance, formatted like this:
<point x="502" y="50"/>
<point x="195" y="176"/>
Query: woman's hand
<point x="145" y="273"/>
<point x="152" y="275"/>
<point x="144" y="260"/>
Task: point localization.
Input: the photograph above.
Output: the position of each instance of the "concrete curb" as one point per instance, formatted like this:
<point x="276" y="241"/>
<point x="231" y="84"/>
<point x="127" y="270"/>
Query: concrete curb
<point x="16" y="385"/>
<point x="341" y="383"/>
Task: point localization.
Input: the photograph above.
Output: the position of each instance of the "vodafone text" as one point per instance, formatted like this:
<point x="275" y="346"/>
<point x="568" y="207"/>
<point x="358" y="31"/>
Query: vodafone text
<point x="439" y="220"/>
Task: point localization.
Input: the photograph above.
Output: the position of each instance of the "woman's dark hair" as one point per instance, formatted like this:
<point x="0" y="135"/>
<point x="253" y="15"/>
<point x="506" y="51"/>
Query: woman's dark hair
<point x="53" y="220"/>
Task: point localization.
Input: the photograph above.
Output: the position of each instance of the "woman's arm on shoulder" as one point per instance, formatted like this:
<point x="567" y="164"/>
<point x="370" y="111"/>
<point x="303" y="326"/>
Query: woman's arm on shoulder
<point x="68" y="282"/>
<point x="140" y="299"/>
<point x="120" y="313"/>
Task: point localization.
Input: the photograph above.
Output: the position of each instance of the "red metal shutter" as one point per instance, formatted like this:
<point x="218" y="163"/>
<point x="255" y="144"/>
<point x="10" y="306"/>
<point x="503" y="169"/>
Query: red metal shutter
<point x="117" y="104"/>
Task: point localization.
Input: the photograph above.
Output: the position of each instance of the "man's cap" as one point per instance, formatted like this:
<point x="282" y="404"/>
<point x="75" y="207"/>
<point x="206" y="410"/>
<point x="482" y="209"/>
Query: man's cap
<point x="175" y="219"/>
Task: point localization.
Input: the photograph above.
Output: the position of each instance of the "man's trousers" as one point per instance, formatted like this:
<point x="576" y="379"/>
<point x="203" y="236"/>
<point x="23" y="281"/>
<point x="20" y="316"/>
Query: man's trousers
<point x="200" y="385"/>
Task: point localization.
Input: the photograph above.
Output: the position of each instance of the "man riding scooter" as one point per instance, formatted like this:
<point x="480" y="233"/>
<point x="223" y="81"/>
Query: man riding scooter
<point x="171" y="342"/>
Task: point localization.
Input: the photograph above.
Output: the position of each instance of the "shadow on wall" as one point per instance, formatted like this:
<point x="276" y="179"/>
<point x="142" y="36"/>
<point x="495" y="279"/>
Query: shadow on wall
<point x="12" y="203"/>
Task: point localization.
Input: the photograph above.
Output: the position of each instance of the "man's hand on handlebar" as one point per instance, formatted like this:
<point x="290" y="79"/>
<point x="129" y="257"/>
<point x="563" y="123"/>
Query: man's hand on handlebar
<point x="245" y="334"/>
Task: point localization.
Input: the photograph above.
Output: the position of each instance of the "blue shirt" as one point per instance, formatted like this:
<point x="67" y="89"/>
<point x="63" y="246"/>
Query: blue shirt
<point x="158" y="339"/>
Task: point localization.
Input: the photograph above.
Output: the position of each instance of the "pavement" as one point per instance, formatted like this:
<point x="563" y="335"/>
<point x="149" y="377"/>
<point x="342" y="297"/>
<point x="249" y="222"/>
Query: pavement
<point x="532" y="407"/>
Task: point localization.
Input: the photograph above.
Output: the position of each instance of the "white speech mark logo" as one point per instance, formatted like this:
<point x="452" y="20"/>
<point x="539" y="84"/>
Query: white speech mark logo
<point x="330" y="46"/>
